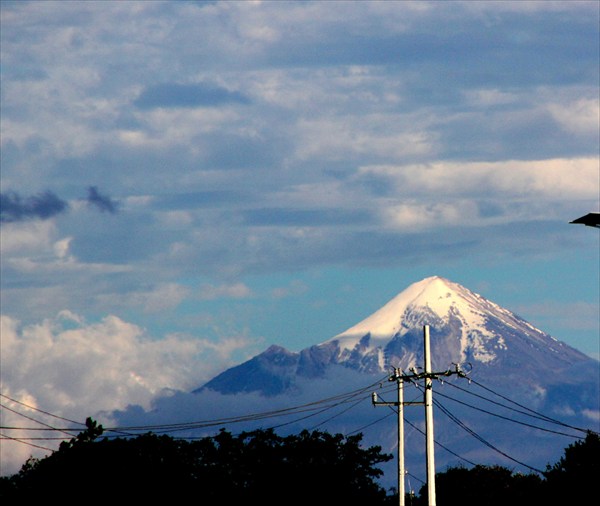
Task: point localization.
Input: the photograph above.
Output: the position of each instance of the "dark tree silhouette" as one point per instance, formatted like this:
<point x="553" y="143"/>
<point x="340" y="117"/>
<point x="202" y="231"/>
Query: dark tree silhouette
<point x="573" y="479"/>
<point x="310" y="468"/>
<point x="570" y="481"/>
<point x="258" y="467"/>
<point x="485" y="486"/>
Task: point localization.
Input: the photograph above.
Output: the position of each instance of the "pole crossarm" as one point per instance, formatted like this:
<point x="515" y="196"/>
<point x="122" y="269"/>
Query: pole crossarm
<point x="416" y="376"/>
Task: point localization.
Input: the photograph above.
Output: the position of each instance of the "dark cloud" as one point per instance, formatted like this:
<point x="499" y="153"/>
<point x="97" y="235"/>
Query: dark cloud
<point x="42" y="206"/>
<point x="101" y="202"/>
<point x="187" y="95"/>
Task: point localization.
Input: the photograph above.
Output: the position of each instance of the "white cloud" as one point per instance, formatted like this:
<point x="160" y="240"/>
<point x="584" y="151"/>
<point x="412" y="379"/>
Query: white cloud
<point x="36" y="247"/>
<point x="75" y="369"/>
<point x="26" y="237"/>
<point x="580" y="116"/>
<point x="593" y="415"/>
<point x="442" y="194"/>
<point x="414" y="215"/>
<point x="557" y="179"/>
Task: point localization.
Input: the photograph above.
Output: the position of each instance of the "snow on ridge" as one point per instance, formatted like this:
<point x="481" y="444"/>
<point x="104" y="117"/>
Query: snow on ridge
<point x="387" y="321"/>
<point x="433" y="300"/>
<point x="438" y="295"/>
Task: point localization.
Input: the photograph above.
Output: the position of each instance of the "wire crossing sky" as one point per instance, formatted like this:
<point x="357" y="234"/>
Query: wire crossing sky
<point x="314" y="408"/>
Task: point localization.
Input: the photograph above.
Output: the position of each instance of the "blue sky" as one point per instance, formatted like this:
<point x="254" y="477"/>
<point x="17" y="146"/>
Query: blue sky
<point x="209" y="178"/>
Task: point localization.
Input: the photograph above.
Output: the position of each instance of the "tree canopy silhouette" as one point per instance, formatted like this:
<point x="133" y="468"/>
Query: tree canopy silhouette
<point x="260" y="466"/>
<point x="570" y="481"/>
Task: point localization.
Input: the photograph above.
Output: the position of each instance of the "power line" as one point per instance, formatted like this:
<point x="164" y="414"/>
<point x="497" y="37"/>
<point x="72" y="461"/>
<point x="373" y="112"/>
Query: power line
<point x="40" y="410"/>
<point x="395" y="411"/>
<point x="313" y="408"/>
<point x="23" y="441"/>
<point x="339" y="414"/>
<point x="545" y="417"/>
<point x="509" y="419"/>
<point x="441" y="445"/>
<point x="360" y="429"/>
<point x="330" y="402"/>
<point x="47" y="427"/>
<point x="480" y="438"/>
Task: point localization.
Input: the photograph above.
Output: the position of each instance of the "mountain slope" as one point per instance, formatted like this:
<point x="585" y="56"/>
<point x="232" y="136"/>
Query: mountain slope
<point x="465" y="327"/>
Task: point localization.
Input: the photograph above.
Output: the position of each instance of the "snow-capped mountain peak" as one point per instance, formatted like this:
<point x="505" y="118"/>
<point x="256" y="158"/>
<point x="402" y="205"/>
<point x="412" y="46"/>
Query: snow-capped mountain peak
<point x="475" y="328"/>
<point x="465" y="327"/>
<point x="435" y="293"/>
<point x="433" y="300"/>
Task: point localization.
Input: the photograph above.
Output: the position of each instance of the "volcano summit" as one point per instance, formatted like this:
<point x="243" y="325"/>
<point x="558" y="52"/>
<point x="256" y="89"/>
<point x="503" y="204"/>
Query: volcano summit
<point x="465" y="328"/>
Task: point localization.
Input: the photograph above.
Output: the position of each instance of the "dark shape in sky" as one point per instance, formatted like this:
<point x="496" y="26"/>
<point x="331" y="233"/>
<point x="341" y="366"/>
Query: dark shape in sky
<point x="42" y="206"/>
<point x="187" y="95"/>
<point x="590" y="220"/>
<point x="103" y="202"/>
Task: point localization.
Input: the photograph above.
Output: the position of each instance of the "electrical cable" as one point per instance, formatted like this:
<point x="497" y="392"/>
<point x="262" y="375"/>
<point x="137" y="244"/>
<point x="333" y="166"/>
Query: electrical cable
<point x="47" y="427"/>
<point x="164" y="428"/>
<point x="395" y="411"/>
<point x="360" y="429"/>
<point x="507" y="418"/>
<point x="440" y="444"/>
<point x="480" y="438"/>
<point x="547" y="418"/>
<point x="23" y="441"/>
<point x="40" y="410"/>
<point x="532" y="414"/>
<point x="338" y="414"/>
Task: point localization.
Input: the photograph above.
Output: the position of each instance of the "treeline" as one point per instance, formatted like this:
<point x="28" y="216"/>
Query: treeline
<point x="570" y="481"/>
<point x="263" y="468"/>
<point x="258" y="468"/>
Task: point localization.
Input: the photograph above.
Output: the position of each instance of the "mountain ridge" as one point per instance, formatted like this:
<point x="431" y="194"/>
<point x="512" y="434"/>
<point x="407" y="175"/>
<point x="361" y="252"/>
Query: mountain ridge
<point x="465" y="327"/>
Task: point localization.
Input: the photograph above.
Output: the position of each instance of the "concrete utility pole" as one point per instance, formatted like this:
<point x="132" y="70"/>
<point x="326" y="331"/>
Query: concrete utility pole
<point x="401" y="470"/>
<point x="428" y="376"/>
<point x="430" y="449"/>
<point x="397" y="376"/>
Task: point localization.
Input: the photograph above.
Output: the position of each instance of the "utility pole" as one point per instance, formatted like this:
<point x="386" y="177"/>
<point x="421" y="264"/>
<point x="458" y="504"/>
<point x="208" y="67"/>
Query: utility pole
<point x="428" y="376"/>
<point x="401" y="471"/>
<point x="397" y="376"/>
<point x="430" y="449"/>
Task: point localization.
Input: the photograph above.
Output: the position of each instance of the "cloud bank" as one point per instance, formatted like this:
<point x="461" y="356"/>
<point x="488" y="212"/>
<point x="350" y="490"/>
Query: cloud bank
<point x="73" y="368"/>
